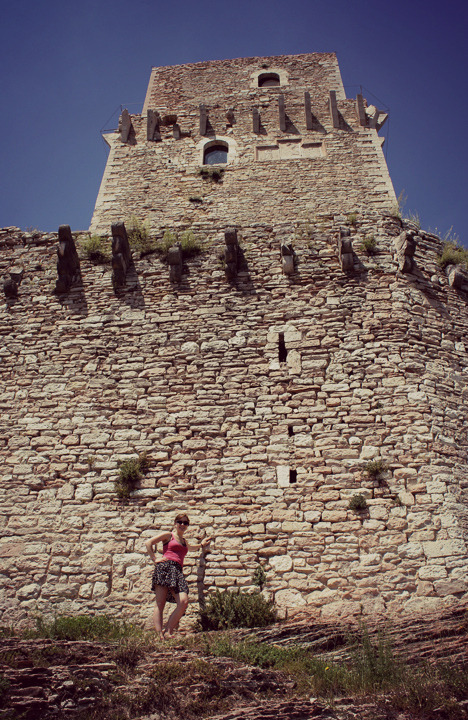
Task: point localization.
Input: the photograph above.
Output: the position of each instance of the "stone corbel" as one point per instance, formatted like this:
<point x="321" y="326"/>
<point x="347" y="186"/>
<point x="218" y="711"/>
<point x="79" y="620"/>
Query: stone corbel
<point x="333" y="108"/>
<point x="287" y="258"/>
<point x="11" y="284"/>
<point x="203" y="120"/>
<point x="308" y="111"/>
<point x="121" y="256"/>
<point x="125" y="125"/>
<point x="361" y="110"/>
<point x="282" y="113"/>
<point x="345" y="249"/>
<point x="231" y="252"/>
<point x="152" y="125"/>
<point x="174" y="260"/>
<point x="255" y="121"/>
<point x="68" y="264"/>
<point x="405" y="246"/>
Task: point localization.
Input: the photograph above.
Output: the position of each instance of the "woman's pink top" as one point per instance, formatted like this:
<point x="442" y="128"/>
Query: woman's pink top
<point x="173" y="550"/>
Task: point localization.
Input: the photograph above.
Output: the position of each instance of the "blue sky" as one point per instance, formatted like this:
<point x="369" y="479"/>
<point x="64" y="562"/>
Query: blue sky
<point x="67" y="67"/>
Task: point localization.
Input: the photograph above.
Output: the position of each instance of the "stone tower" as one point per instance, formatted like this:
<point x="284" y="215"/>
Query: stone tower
<point x="300" y="384"/>
<point x="288" y="143"/>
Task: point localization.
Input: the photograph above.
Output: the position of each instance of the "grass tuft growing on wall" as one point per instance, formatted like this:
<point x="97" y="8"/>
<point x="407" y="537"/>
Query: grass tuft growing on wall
<point x="453" y="254"/>
<point x="97" y="249"/>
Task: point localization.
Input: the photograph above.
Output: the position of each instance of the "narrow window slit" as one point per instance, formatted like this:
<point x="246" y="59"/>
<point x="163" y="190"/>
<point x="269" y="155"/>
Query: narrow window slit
<point x="282" y="351"/>
<point x="290" y="430"/>
<point x="292" y="476"/>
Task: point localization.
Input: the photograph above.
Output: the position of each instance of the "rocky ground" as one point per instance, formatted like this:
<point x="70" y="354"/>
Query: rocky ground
<point x="149" y="680"/>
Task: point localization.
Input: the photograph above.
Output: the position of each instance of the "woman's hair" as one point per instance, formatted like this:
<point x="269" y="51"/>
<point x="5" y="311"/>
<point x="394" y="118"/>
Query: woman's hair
<point x="182" y="516"/>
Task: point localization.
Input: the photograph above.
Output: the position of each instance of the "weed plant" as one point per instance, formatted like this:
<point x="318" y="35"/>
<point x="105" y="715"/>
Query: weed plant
<point x="453" y="254"/>
<point x="214" y="174"/>
<point x="189" y="243"/>
<point x="82" y="627"/>
<point x="358" y="503"/>
<point x="375" y="468"/>
<point x="138" y="235"/>
<point x="369" y="244"/>
<point x="370" y="669"/>
<point x="233" y="609"/>
<point x="97" y="249"/>
<point x="259" y="576"/>
<point x="131" y="472"/>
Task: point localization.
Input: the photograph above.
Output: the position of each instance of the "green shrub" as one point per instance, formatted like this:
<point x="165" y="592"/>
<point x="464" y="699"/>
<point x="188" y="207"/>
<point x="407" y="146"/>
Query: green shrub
<point x="259" y="576"/>
<point x="369" y="244"/>
<point x="234" y="609"/>
<point x="453" y="254"/>
<point x="215" y="174"/>
<point x="190" y="244"/>
<point x="138" y="235"/>
<point x="97" y="249"/>
<point x="82" y="627"/>
<point x="130" y="472"/>
<point x="352" y="219"/>
<point x="358" y="502"/>
<point x="375" y="468"/>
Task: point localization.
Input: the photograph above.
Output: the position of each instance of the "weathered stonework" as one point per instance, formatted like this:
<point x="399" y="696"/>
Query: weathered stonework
<point x="260" y="389"/>
<point x="290" y="164"/>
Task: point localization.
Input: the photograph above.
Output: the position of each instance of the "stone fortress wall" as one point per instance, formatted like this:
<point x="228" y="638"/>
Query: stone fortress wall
<point x="260" y="399"/>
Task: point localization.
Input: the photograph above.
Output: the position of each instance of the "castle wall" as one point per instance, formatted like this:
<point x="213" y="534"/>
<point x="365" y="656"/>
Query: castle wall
<point x="272" y="176"/>
<point x="191" y="373"/>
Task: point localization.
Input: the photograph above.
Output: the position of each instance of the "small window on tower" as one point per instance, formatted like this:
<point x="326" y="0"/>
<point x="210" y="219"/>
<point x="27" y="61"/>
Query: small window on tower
<point x="215" y="154"/>
<point x="268" y="80"/>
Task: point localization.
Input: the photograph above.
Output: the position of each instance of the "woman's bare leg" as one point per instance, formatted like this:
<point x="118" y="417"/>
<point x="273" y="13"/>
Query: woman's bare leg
<point x="161" y="595"/>
<point x="173" y="621"/>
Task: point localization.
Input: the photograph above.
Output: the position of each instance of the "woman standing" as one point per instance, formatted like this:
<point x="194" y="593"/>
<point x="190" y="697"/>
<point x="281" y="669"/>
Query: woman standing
<point x="169" y="582"/>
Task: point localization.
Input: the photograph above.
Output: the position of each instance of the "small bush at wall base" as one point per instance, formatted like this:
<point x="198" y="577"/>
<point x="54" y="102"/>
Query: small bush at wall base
<point x="233" y="609"/>
<point x="82" y="627"/>
<point x="357" y="503"/>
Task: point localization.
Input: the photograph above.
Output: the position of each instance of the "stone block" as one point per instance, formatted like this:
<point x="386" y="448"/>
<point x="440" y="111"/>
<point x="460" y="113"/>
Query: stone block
<point x="281" y="563"/>
<point x="444" y="548"/>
